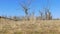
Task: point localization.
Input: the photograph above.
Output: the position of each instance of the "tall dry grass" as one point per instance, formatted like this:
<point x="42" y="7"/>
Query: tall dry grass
<point x="29" y="27"/>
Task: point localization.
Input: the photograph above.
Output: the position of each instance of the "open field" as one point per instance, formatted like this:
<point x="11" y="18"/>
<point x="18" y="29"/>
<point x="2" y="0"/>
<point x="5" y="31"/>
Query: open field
<point x="29" y="27"/>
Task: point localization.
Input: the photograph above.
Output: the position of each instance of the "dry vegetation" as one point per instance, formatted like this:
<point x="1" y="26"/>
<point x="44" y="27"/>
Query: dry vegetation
<point x="43" y="24"/>
<point x="29" y="27"/>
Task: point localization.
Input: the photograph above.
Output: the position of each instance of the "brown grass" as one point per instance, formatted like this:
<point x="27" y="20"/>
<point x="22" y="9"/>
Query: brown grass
<point x="29" y="27"/>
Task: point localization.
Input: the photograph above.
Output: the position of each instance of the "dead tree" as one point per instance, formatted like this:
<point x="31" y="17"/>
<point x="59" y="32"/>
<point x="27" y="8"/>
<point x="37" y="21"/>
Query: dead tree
<point x="32" y="15"/>
<point x="41" y="15"/>
<point x="0" y="16"/>
<point x="48" y="14"/>
<point x="26" y="7"/>
<point x="47" y="11"/>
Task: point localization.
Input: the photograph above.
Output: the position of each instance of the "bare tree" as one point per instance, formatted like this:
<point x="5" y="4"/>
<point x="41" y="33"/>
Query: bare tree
<point x="0" y="16"/>
<point x="25" y="6"/>
<point x="32" y="15"/>
<point x="41" y="14"/>
<point x="48" y="14"/>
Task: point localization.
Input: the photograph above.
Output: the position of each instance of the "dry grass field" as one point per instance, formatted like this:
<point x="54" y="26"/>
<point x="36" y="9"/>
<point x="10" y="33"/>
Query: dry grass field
<point x="29" y="27"/>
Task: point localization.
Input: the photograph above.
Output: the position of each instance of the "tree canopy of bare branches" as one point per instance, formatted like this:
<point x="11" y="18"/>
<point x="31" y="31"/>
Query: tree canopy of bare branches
<point x="25" y="6"/>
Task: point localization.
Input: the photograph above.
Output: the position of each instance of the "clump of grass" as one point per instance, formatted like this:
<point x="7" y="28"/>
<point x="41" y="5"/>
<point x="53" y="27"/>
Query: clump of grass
<point x="18" y="32"/>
